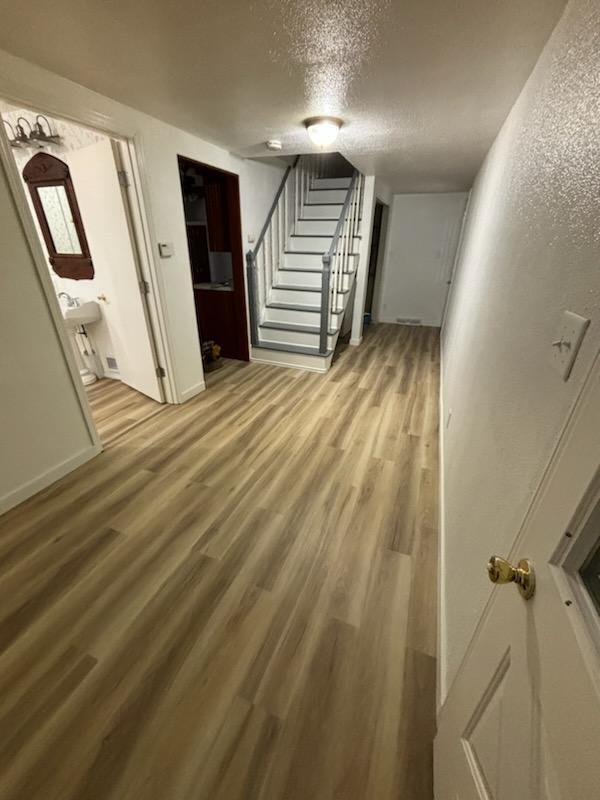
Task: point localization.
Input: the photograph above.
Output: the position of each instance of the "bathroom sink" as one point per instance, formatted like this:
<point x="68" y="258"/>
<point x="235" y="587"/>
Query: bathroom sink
<point x="84" y="314"/>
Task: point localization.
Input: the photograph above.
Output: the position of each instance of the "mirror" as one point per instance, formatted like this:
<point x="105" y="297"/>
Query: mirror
<point x="58" y="215"/>
<point x="55" y="204"/>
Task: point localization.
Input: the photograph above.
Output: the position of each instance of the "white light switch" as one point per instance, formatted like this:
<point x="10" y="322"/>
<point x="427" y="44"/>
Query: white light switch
<point x="165" y="249"/>
<point x="567" y="342"/>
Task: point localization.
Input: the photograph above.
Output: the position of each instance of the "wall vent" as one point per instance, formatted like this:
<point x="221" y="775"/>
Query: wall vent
<point x="408" y="321"/>
<point x="111" y="363"/>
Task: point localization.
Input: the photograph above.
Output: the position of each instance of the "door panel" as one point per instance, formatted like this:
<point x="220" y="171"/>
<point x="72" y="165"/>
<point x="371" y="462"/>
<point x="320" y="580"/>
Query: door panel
<point x="99" y="194"/>
<point x="522" y="718"/>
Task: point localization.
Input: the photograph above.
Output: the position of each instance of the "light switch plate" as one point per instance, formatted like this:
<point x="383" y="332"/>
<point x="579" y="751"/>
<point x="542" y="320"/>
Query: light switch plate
<point x="567" y="342"/>
<point x="165" y="249"/>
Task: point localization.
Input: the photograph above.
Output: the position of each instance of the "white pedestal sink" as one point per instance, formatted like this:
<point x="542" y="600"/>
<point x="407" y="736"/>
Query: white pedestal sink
<point x="74" y="316"/>
<point x="85" y="314"/>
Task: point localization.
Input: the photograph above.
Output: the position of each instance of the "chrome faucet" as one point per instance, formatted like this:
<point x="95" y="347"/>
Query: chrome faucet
<point x="70" y="300"/>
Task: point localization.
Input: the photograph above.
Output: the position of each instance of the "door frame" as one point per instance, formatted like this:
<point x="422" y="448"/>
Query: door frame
<point x="135" y="210"/>
<point x="237" y="252"/>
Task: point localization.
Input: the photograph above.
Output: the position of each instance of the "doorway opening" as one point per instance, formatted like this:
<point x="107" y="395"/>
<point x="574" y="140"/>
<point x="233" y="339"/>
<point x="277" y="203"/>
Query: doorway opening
<point x="211" y="201"/>
<point x="76" y="186"/>
<point x="375" y="256"/>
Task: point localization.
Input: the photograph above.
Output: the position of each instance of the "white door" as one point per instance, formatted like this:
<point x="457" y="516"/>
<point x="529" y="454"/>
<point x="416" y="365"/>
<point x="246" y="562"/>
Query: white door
<point x="522" y="718"/>
<point x="102" y="205"/>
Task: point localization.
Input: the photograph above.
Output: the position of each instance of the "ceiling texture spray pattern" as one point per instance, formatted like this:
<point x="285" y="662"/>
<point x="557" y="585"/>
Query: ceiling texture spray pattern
<point x="422" y="86"/>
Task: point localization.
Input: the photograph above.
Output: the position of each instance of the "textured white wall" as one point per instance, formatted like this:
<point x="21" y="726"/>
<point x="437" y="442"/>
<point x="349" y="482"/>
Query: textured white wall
<point x="421" y="241"/>
<point x="531" y="249"/>
<point x="42" y="427"/>
<point x="158" y="145"/>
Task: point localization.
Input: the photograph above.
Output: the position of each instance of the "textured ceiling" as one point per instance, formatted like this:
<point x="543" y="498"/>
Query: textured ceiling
<point x="422" y="85"/>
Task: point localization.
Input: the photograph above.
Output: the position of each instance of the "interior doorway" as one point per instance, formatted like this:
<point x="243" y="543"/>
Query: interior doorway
<point x="375" y="255"/>
<point x="211" y="201"/>
<point x="75" y="189"/>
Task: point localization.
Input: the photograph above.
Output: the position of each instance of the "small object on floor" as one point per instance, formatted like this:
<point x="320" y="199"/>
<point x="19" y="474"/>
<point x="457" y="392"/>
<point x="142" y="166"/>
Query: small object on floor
<point x="211" y="356"/>
<point x="367" y="318"/>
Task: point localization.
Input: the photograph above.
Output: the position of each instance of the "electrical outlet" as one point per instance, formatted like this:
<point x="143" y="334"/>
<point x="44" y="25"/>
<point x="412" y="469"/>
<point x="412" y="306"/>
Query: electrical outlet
<point x="567" y="341"/>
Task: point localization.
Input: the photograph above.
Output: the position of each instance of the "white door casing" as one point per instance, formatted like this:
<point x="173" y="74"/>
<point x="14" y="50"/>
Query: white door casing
<point x="522" y="718"/>
<point x="100" y="198"/>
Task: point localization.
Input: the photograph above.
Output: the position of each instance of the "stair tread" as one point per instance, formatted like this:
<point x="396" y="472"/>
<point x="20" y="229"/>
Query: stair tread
<point x="311" y="269"/>
<point x="295" y="288"/>
<point x="300" y="307"/>
<point x="318" y="236"/>
<point x="290" y="326"/>
<point x="293" y="348"/>
<point x="311" y="252"/>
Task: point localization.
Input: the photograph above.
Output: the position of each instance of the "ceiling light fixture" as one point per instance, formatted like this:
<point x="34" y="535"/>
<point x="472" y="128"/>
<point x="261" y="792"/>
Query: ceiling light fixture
<point x="274" y="144"/>
<point x="323" y="131"/>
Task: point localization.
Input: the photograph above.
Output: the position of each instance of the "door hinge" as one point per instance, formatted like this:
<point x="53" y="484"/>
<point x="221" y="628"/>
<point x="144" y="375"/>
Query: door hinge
<point x="144" y="287"/>
<point x="160" y="372"/>
<point x="123" y="178"/>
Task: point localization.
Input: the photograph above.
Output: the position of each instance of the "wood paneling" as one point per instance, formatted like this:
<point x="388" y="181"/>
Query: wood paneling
<point x="234" y="601"/>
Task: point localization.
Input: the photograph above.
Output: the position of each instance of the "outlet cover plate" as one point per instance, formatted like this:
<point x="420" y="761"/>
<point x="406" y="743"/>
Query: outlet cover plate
<point x="567" y="342"/>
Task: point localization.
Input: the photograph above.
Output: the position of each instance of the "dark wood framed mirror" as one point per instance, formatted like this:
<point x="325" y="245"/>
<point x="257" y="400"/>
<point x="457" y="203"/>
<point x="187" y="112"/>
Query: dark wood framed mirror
<point x="55" y="203"/>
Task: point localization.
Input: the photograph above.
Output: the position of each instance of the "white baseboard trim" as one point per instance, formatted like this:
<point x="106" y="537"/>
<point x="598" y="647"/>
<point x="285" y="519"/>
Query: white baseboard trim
<point x="280" y="358"/>
<point x="442" y="657"/>
<point x="356" y="342"/>
<point x="47" y="478"/>
<point x="192" y="391"/>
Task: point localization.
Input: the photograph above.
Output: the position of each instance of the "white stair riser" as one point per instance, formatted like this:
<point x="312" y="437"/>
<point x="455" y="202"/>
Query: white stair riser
<point x="327" y="196"/>
<point x="296" y="278"/>
<point x="319" y="244"/>
<point x="312" y="260"/>
<point x="294" y="296"/>
<point x="331" y="183"/>
<point x="325" y="227"/>
<point x="291" y="315"/>
<point x="322" y="211"/>
<point x="293" y="337"/>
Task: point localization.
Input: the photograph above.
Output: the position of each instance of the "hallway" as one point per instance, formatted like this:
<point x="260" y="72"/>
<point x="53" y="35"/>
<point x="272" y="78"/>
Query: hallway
<point x="237" y="600"/>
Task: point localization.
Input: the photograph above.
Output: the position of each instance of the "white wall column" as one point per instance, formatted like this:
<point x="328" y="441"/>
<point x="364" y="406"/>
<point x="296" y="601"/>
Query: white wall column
<point x="366" y="229"/>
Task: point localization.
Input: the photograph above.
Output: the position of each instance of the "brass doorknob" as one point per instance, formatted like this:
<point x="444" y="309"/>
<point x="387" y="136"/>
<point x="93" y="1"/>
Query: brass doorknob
<point x="501" y="571"/>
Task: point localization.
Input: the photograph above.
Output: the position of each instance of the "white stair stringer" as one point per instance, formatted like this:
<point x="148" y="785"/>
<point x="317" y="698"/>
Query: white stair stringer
<point x="289" y="322"/>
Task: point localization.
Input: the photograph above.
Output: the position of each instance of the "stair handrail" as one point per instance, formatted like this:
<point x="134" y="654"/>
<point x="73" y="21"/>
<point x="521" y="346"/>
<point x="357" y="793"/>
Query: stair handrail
<point x="341" y="245"/>
<point x="268" y="228"/>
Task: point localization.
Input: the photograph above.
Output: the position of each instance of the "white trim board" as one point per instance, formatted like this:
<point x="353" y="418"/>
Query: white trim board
<point x="192" y="391"/>
<point x="40" y="482"/>
<point x="441" y="660"/>
<point x="280" y="358"/>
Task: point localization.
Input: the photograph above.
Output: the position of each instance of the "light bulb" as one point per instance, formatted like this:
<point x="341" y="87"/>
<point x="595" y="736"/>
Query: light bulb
<point x="323" y="131"/>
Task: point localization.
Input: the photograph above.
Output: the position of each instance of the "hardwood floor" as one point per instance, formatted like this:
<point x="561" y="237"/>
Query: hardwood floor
<point x="237" y="599"/>
<point x="116" y="408"/>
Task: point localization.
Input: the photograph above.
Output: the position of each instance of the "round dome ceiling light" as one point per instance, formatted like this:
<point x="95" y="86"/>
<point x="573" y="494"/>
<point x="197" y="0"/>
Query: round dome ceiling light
<point x="274" y="144"/>
<point x="323" y="131"/>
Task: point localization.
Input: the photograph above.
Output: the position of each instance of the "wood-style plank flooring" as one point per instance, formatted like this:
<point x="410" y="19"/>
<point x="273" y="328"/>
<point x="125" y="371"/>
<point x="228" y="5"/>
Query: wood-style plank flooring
<point x="116" y="408"/>
<point x="237" y="599"/>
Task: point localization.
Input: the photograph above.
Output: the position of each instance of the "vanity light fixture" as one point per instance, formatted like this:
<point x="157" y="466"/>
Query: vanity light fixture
<point x="12" y="139"/>
<point x="323" y="131"/>
<point x="38" y="134"/>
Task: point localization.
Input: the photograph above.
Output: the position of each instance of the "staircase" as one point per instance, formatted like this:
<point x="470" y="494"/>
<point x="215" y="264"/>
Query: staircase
<point x="302" y="270"/>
